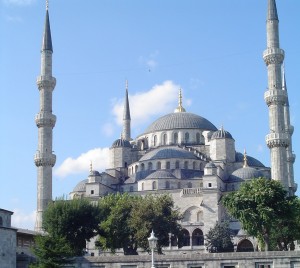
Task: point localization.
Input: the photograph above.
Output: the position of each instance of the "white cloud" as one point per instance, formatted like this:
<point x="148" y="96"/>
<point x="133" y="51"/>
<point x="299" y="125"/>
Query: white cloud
<point x="21" y="219"/>
<point x="81" y="164"/>
<point x="158" y="100"/>
<point x="18" y="2"/>
<point x="150" y="61"/>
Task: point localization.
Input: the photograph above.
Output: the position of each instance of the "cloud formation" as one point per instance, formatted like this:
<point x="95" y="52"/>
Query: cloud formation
<point x="21" y="219"/>
<point x="160" y="99"/>
<point x="81" y="164"/>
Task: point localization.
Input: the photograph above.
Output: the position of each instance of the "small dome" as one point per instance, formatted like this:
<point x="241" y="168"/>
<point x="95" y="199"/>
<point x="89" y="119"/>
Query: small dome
<point x="210" y="165"/>
<point x="161" y="174"/>
<point x="121" y="143"/>
<point x="167" y="153"/>
<point x="246" y="173"/>
<point x="80" y="187"/>
<point x="221" y="134"/>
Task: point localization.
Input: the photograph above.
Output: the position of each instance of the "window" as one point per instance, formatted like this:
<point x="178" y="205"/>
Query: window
<point x="176" y="138"/>
<point x="189" y="185"/>
<point x="92" y="191"/>
<point x="230" y="265"/>
<point x="186" y="164"/>
<point x="168" y="165"/>
<point x="198" y="138"/>
<point x="164" y="139"/>
<point x="197" y="237"/>
<point x="187" y="137"/>
<point x="150" y="165"/>
<point x="142" y="186"/>
<point x="209" y="185"/>
<point x="167" y="185"/>
<point x="158" y="165"/>
<point x="194" y="165"/>
<point x="136" y="168"/>
<point x="131" y="189"/>
<point x="263" y="265"/>
<point x="177" y="164"/>
<point x="154" y="185"/>
<point x="142" y="166"/>
<point x="179" y="185"/>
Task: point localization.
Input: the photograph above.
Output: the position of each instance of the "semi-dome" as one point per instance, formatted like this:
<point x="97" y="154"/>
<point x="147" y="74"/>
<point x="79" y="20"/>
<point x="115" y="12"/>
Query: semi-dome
<point x="80" y="187"/>
<point x="121" y="143"/>
<point x="246" y="173"/>
<point x="161" y="174"/>
<point x="180" y="121"/>
<point x="221" y="134"/>
<point x="167" y="153"/>
<point x="239" y="157"/>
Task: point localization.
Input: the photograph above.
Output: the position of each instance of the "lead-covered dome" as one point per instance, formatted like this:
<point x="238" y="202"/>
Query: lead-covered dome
<point x="161" y="174"/>
<point x="180" y="121"/>
<point x="167" y="153"/>
<point x="80" y="187"/>
<point x="246" y="173"/>
<point x="221" y="134"/>
<point x="121" y="143"/>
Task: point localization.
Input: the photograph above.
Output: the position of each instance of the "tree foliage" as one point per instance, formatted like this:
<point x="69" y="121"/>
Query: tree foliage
<point x="67" y="225"/>
<point x="263" y="208"/>
<point x="129" y="220"/>
<point x="219" y="238"/>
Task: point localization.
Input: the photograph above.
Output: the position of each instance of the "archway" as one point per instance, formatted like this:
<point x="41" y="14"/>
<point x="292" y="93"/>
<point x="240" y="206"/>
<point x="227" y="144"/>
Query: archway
<point x="245" y="246"/>
<point x="197" y="237"/>
<point x="184" y="239"/>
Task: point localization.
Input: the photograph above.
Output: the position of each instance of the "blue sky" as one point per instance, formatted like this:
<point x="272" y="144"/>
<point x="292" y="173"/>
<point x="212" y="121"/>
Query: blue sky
<point x="210" y="49"/>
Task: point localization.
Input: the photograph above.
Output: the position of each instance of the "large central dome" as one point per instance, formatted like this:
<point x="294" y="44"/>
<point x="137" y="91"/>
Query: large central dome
<point x="180" y="121"/>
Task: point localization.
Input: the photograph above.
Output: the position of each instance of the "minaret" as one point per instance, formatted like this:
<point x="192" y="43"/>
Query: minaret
<point x="289" y="130"/>
<point x="276" y="99"/>
<point x="44" y="158"/>
<point x="126" y="133"/>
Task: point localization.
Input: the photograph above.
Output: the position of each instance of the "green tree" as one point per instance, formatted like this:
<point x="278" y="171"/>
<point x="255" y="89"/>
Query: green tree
<point x="128" y="221"/>
<point x="67" y="225"/>
<point x="219" y="238"/>
<point x="155" y="213"/>
<point x="51" y="252"/>
<point x="259" y="205"/>
<point x="114" y="230"/>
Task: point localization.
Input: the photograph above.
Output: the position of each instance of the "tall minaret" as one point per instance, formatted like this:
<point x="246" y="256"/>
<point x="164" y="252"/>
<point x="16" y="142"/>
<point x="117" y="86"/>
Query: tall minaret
<point x="44" y="158"/>
<point x="126" y="133"/>
<point x="289" y="130"/>
<point x="276" y="98"/>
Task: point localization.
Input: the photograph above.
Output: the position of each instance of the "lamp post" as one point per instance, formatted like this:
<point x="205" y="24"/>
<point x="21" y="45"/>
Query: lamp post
<point x="152" y="244"/>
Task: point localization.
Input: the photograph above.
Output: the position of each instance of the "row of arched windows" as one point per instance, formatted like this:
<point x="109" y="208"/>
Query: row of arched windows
<point x="197" y="238"/>
<point x="158" y="166"/>
<point x="175" y="139"/>
<point x="167" y="185"/>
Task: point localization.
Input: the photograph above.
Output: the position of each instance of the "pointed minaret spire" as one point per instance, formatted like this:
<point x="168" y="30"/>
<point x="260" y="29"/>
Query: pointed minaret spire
<point x="126" y="134"/>
<point x="245" y="159"/>
<point x="179" y="109"/>
<point x="272" y="10"/>
<point x="44" y="158"/>
<point x="277" y="100"/>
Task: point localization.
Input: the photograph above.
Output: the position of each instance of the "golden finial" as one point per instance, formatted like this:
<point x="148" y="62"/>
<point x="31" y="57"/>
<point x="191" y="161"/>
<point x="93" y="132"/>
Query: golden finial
<point x="47" y="4"/>
<point x="245" y="159"/>
<point x="179" y="109"/>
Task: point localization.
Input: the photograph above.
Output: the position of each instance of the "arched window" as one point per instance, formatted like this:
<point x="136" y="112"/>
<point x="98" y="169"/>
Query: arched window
<point x="131" y="189"/>
<point x="176" y="138"/>
<point x="185" y="238"/>
<point x="177" y="164"/>
<point x="142" y="166"/>
<point x="142" y="186"/>
<point x="158" y="165"/>
<point x="189" y="185"/>
<point x="164" y="139"/>
<point x="136" y="168"/>
<point x="197" y="237"/>
<point x="155" y="141"/>
<point x="154" y="185"/>
<point x="167" y="185"/>
<point x="194" y="165"/>
<point x="187" y="137"/>
<point x="168" y="165"/>
<point x="245" y="246"/>
<point x="150" y="165"/>
<point x="186" y="164"/>
<point x="198" y="138"/>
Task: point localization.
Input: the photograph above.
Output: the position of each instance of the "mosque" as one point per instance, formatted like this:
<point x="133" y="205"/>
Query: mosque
<point x="181" y="153"/>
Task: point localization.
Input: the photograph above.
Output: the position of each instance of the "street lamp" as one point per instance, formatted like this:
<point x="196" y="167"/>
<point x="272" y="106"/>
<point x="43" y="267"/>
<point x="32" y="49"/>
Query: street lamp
<point x="152" y="244"/>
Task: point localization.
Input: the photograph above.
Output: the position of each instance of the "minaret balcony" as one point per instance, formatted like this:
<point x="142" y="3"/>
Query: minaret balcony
<point x="46" y="82"/>
<point x="45" y="119"/>
<point x="44" y="159"/>
<point x="277" y="140"/>
<point x="273" y="55"/>
<point x="275" y="97"/>
<point x="291" y="158"/>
